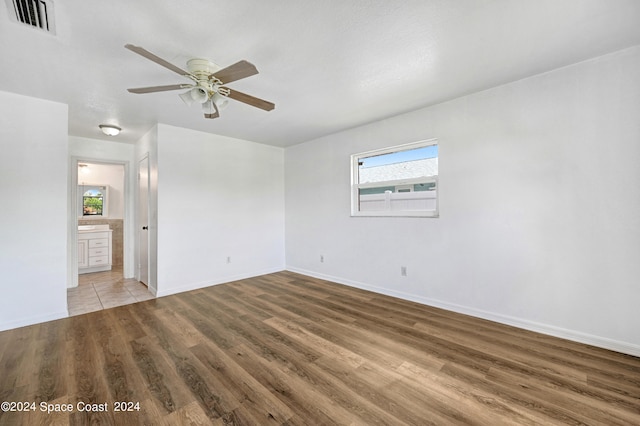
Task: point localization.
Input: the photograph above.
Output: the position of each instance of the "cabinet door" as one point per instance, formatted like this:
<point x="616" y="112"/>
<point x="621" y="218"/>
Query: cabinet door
<point x="83" y="253"/>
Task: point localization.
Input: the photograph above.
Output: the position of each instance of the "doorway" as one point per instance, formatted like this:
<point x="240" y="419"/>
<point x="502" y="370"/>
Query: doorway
<point x="102" y="288"/>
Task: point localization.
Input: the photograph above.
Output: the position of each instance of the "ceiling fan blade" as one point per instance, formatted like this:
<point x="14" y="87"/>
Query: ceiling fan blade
<point x="210" y="109"/>
<point x="237" y="71"/>
<point x="158" y="60"/>
<point x="250" y="100"/>
<point x="151" y="89"/>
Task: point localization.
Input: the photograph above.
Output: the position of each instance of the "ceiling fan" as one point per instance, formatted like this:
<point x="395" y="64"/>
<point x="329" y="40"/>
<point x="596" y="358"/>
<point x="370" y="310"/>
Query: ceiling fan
<point x="207" y="86"/>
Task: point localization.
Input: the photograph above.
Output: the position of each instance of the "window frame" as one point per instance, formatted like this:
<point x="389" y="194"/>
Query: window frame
<point x="356" y="186"/>
<point x="104" y="189"/>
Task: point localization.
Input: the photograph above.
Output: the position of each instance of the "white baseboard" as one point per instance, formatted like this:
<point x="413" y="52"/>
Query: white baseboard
<point x="221" y="280"/>
<point x="23" y="322"/>
<point x="576" y="336"/>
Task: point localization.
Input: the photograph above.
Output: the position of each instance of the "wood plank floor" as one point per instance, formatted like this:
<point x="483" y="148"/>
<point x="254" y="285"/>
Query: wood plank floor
<point x="285" y="349"/>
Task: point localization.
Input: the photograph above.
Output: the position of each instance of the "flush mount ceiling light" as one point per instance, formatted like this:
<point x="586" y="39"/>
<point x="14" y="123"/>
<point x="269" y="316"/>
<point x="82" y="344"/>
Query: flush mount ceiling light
<point x="109" y="129"/>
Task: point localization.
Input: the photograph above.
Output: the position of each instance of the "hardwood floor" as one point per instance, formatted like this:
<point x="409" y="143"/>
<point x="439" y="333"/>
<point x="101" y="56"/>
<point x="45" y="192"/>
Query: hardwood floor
<point x="286" y="349"/>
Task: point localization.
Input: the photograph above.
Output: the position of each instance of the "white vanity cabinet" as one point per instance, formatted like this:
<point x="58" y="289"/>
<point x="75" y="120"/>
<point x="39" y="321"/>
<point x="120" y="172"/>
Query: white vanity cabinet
<point x="94" y="248"/>
<point x="83" y="254"/>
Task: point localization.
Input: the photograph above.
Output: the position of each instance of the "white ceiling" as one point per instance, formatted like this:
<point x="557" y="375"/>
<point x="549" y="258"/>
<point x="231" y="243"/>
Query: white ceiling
<point x="327" y="65"/>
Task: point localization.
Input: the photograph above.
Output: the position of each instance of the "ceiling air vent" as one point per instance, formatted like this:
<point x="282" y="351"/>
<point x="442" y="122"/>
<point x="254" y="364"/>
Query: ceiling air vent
<point x="34" y="13"/>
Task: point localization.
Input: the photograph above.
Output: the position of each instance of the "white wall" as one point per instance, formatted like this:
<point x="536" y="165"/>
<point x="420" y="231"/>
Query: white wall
<point x="218" y="198"/>
<point x="33" y="217"/>
<point x="539" y="206"/>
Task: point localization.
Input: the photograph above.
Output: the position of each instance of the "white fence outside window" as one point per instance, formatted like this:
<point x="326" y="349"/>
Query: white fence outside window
<point x="398" y="201"/>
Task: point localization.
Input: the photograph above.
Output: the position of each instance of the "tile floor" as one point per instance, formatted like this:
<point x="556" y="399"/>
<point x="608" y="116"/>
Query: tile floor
<point x="103" y="290"/>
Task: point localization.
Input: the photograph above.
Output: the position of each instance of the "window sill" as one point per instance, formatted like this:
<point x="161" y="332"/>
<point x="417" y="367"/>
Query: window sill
<point x="428" y="214"/>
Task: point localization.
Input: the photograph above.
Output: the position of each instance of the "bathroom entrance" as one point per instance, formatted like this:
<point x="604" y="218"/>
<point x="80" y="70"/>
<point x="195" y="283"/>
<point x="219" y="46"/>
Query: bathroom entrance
<point x="102" y="206"/>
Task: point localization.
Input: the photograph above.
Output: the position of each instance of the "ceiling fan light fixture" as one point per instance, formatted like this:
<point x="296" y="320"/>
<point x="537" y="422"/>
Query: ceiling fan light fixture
<point x="221" y="101"/>
<point x="208" y="108"/>
<point x="110" y="129"/>
<point x="197" y="94"/>
<point x="186" y="97"/>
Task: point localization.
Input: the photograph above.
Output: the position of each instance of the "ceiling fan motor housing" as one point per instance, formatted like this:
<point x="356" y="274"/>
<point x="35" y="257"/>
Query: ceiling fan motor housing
<point x="202" y="67"/>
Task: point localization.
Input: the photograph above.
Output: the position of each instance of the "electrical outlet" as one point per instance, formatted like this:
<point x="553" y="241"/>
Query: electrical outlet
<point x="228" y="259"/>
<point x="321" y="259"/>
<point x="403" y="271"/>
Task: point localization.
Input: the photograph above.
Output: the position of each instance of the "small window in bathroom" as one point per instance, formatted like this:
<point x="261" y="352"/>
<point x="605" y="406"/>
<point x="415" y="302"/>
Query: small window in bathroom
<point x="93" y="200"/>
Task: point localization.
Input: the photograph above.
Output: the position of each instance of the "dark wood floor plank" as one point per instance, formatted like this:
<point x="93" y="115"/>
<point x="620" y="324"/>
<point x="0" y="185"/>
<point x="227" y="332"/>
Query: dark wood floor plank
<point x="611" y="384"/>
<point x="238" y="298"/>
<point x="125" y="378"/>
<point x="486" y="407"/>
<point x="375" y="382"/>
<point x="191" y="414"/>
<point x="40" y="418"/>
<point x="570" y="354"/>
<point x="516" y="395"/>
<point x="89" y="385"/>
<point x="287" y="349"/>
<point x="280" y="386"/>
<point x="287" y="354"/>
<point x="111" y="351"/>
<point x="205" y="323"/>
<point x="50" y="384"/>
<point x="159" y="376"/>
<point x="253" y="396"/>
<point x="14" y="365"/>
<point x="368" y="343"/>
<point x="450" y="347"/>
<point x="216" y="400"/>
<point x="25" y="356"/>
<point x="497" y="349"/>
<point x="344" y="364"/>
<point x="559" y="397"/>
<point x="254" y="333"/>
<point x="409" y="336"/>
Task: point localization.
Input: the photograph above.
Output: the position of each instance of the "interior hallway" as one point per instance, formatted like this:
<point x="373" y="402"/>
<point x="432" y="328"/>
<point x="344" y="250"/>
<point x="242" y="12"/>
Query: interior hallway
<point x="103" y="290"/>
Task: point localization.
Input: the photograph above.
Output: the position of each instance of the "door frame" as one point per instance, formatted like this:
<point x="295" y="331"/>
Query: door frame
<point x="73" y="214"/>
<point x="139" y="225"/>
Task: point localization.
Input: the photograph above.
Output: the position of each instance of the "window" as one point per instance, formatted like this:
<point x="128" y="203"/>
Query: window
<point x="396" y="181"/>
<point x="93" y="201"/>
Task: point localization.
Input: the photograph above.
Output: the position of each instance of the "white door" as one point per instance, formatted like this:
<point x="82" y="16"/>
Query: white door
<point x="143" y="221"/>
